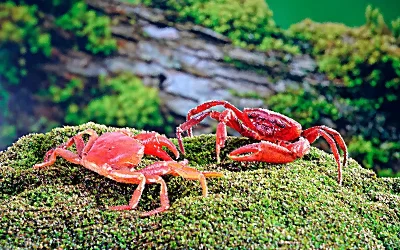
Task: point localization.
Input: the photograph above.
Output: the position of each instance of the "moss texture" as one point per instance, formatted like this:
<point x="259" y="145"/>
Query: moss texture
<point x="254" y="205"/>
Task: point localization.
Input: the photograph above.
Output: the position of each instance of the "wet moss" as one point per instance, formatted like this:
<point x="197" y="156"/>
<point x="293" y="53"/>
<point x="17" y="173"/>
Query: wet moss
<point x="254" y="205"/>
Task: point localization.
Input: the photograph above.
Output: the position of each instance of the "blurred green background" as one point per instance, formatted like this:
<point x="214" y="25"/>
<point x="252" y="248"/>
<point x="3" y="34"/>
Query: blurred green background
<point x="359" y="54"/>
<point x="349" y="12"/>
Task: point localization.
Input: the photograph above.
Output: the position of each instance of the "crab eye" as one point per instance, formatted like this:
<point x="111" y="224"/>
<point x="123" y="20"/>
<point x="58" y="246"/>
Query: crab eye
<point x="280" y="124"/>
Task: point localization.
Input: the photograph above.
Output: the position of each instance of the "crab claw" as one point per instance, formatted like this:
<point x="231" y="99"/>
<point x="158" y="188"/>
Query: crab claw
<point x="263" y="151"/>
<point x="154" y="142"/>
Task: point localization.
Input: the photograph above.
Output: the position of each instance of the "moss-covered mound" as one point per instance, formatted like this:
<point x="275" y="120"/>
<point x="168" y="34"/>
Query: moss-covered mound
<point x="254" y="205"/>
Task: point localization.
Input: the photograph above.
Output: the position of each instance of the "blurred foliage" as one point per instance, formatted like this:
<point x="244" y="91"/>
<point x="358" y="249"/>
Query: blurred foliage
<point x="247" y="23"/>
<point x="364" y="62"/>
<point x="54" y="7"/>
<point x="25" y="41"/>
<point x="364" y="58"/>
<point x="396" y="29"/>
<point x="60" y="94"/>
<point x="373" y="151"/>
<point x="122" y="100"/>
<point x="86" y="24"/>
<point x="305" y="106"/>
<point x="20" y="37"/>
<point x="270" y="43"/>
<point x="8" y="131"/>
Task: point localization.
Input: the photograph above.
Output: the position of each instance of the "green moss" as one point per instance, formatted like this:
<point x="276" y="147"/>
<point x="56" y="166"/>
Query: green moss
<point x="304" y="105"/>
<point x="375" y="152"/>
<point x="359" y="56"/>
<point x="122" y="100"/>
<point x="247" y="23"/>
<point x="20" y="37"/>
<point x="293" y="205"/>
<point x="364" y="64"/>
<point x="94" y="29"/>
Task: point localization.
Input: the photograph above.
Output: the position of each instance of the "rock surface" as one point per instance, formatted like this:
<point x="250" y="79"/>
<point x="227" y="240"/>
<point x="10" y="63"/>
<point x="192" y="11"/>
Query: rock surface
<point x="189" y="64"/>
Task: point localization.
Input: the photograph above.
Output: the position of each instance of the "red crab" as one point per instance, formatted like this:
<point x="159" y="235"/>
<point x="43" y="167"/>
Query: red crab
<point x="282" y="138"/>
<point x="114" y="155"/>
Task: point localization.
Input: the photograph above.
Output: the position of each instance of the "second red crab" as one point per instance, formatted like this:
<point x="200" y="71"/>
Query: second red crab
<point x="282" y="139"/>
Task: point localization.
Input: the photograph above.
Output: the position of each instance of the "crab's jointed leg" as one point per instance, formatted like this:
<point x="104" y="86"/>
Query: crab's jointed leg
<point x="179" y="169"/>
<point x="152" y="174"/>
<point x="81" y="148"/>
<point x="204" y="106"/>
<point x="52" y="155"/>
<point x="231" y="117"/>
<point x="332" y="137"/>
<point x="187" y="126"/>
<point x="93" y="137"/>
<point x="129" y="177"/>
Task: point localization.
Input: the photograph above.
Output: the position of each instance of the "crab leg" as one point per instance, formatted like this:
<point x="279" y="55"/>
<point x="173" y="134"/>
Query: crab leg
<point x="163" y="196"/>
<point x="78" y="143"/>
<point x="204" y="106"/>
<point x="229" y="118"/>
<point x="52" y="155"/>
<point x="179" y="169"/>
<point x="81" y="148"/>
<point x="93" y="137"/>
<point x="126" y="176"/>
<point x="225" y="118"/>
<point x="152" y="174"/>
<point x="187" y="126"/>
<point x="269" y="152"/>
<point x="332" y="137"/>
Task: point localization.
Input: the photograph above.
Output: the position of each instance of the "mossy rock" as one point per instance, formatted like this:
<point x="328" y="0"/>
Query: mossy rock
<point x="254" y="205"/>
